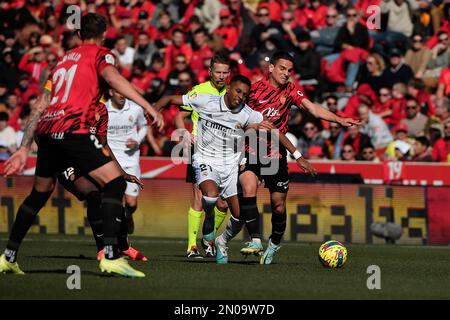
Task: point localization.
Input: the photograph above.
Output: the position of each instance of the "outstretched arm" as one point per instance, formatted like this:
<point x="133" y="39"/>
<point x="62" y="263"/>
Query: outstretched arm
<point x="322" y="113"/>
<point x="17" y="162"/>
<point x="167" y="101"/>
<point x="116" y="81"/>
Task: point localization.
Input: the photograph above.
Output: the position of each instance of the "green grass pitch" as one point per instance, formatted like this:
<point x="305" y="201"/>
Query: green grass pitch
<point x="407" y="272"/>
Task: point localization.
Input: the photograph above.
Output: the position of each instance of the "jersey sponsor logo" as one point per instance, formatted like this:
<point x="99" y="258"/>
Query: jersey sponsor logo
<point x="54" y="115"/>
<point x="109" y="58"/>
<point x="271" y="112"/>
<point x="57" y="135"/>
<point x="263" y="101"/>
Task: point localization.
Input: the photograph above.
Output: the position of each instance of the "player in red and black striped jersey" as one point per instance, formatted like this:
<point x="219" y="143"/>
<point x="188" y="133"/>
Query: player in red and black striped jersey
<point x="273" y="97"/>
<point x="63" y="120"/>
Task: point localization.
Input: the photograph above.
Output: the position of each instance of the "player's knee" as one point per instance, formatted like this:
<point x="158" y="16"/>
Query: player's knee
<point x="94" y="199"/>
<point x="209" y="201"/>
<point x="279" y="209"/>
<point x="115" y="188"/>
<point x="36" y="200"/>
<point x="222" y="205"/>
<point x="249" y="190"/>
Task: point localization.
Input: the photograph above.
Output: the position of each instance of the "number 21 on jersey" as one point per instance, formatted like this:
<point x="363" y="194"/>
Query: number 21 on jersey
<point x="63" y="77"/>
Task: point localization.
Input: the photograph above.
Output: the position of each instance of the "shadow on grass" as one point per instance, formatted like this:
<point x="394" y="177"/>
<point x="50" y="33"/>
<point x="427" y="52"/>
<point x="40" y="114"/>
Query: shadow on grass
<point x="79" y="257"/>
<point x="63" y="271"/>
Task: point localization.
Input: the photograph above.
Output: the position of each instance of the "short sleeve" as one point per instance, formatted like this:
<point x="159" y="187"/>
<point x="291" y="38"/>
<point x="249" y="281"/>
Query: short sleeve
<point x="185" y="107"/>
<point x="142" y="120"/>
<point x="195" y="101"/>
<point x="105" y="58"/>
<point x="297" y="96"/>
<point x="254" y="117"/>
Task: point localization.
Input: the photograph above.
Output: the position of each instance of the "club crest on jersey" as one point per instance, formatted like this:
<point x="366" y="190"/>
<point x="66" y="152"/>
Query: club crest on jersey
<point x="109" y="58"/>
<point x="130" y="118"/>
<point x="97" y="116"/>
<point x="283" y="99"/>
<point x="193" y="96"/>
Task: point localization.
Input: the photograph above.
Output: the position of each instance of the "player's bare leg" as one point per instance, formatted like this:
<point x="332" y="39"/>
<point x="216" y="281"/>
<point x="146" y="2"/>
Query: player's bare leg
<point x="26" y="215"/>
<point x="278" y="202"/>
<point x="249" y="212"/>
<point x="113" y="185"/>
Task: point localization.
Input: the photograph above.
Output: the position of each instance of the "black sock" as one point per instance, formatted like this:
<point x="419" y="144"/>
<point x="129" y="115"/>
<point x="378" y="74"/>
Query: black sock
<point x="25" y="218"/>
<point x="94" y="201"/>
<point x="278" y="227"/>
<point x="123" y="233"/>
<point x="129" y="210"/>
<point x="112" y="213"/>
<point x="250" y="213"/>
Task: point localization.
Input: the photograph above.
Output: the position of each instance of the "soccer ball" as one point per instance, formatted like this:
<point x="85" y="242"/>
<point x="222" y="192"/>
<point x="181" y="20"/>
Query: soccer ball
<point x="332" y="254"/>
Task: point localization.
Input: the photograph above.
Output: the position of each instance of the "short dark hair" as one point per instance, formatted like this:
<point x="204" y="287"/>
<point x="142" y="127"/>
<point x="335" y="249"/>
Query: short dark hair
<point x="409" y="97"/>
<point x="4" y="116"/>
<point x="241" y="78"/>
<point x="331" y="96"/>
<point x="220" y="59"/>
<point x="177" y="30"/>
<point x="93" y="25"/>
<point x="423" y="141"/>
<point x="281" y="55"/>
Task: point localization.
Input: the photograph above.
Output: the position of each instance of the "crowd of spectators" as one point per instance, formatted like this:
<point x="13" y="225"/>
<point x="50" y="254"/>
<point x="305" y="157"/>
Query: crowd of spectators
<point x="387" y="65"/>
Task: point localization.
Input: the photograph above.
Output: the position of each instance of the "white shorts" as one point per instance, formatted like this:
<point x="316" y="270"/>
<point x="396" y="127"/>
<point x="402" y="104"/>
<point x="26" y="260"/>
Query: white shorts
<point x="226" y="177"/>
<point x="132" y="188"/>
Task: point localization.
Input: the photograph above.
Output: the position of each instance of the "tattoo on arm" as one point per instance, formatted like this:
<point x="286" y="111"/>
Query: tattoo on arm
<point x="36" y="113"/>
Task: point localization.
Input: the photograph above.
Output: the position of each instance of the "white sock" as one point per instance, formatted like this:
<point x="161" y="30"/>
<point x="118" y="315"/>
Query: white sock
<point x="234" y="226"/>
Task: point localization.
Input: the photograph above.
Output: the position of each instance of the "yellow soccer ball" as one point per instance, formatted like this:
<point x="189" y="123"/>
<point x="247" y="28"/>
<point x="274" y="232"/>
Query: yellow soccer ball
<point x="332" y="254"/>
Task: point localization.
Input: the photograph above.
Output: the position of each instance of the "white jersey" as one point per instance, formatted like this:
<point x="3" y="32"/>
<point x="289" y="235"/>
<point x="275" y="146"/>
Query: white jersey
<point x="124" y="124"/>
<point x="219" y="129"/>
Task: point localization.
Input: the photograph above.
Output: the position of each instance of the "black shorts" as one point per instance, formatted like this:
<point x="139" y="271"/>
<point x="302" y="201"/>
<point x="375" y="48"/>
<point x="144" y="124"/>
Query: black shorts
<point x="190" y="173"/>
<point x="68" y="179"/>
<point x="83" y="152"/>
<point x="277" y="182"/>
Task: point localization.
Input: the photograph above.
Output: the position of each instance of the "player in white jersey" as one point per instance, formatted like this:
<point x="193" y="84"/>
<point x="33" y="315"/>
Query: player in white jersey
<point x="127" y="128"/>
<point x="217" y="153"/>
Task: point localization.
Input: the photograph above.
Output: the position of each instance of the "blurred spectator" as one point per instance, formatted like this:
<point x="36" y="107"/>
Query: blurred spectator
<point x="401" y="134"/>
<point x="372" y="72"/>
<point x="315" y="153"/>
<point x="165" y="30"/>
<point x="416" y="88"/>
<point x="177" y="47"/>
<point x="140" y="78"/>
<point x="439" y="60"/>
<point x="33" y="63"/>
<point x="415" y="120"/>
<point x="374" y="127"/>
<point x="418" y="56"/>
<point x="208" y="11"/>
<point x="353" y="34"/>
<point x="311" y="137"/>
<point x="402" y="150"/>
<point x="124" y="53"/>
<point x="241" y="18"/>
<point x="227" y="31"/>
<point x="51" y="59"/>
<point x="7" y="135"/>
<point x="399" y="25"/>
<point x="348" y="153"/>
<point x="368" y="154"/>
<point x="145" y="49"/>
<point x="202" y="52"/>
<point x="441" y="150"/>
<point x="334" y="142"/>
<point x="307" y="61"/>
<point x="180" y="65"/>
<point x="356" y="138"/>
<point x="325" y="38"/>
<point x="266" y="33"/>
<point x="398" y="71"/>
<point x="169" y="7"/>
<point x="421" y="153"/>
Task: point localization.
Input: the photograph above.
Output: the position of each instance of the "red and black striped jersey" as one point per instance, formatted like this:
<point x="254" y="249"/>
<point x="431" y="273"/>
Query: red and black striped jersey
<point x="76" y="90"/>
<point x="98" y="125"/>
<point x="275" y="103"/>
